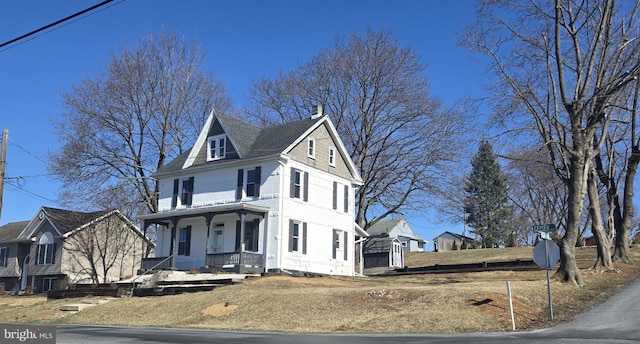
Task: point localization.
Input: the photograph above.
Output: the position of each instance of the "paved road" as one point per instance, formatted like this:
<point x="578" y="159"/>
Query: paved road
<point x="615" y="321"/>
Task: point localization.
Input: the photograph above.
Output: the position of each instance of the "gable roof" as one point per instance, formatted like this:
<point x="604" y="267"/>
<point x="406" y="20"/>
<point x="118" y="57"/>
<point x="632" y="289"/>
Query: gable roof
<point x="385" y="226"/>
<point x="455" y="235"/>
<point x="65" y="222"/>
<point x="10" y="231"/>
<point x="250" y="141"/>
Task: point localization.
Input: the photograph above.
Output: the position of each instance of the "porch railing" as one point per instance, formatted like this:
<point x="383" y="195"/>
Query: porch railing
<point x="162" y="263"/>
<point x="218" y="260"/>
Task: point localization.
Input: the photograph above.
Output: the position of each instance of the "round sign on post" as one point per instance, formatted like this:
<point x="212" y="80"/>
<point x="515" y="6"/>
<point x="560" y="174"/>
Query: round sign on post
<point x="546" y="254"/>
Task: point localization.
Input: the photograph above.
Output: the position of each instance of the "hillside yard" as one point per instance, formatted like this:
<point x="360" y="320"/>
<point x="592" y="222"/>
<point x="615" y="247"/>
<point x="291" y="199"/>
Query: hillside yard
<point x="442" y="303"/>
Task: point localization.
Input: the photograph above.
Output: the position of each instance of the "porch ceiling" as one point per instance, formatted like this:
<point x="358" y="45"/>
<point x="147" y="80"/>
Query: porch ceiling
<point x="201" y="211"/>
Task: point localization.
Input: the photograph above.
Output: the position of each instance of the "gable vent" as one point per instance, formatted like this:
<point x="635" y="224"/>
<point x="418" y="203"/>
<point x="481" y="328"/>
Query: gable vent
<point x="316" y="111"/>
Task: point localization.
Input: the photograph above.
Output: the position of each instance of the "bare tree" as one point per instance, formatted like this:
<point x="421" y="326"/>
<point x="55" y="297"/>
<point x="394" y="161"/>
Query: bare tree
<point x="616" y="165"/>
<point x="536" y="192"/>
<point x="562" y="63"/>
<point x="123" y="124"/>
<point x="399" y="137"/>
<point x="104" y="244"/>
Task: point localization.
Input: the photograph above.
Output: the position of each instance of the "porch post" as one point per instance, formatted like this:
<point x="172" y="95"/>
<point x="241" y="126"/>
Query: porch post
<point x="242" y="215"/>
<point x="208" y="217"/>
<point x="174" y="234"/>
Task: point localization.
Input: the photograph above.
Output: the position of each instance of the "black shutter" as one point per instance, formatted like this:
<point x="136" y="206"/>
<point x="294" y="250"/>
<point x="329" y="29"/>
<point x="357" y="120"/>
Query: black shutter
<point x="187" y="248"/>
<point x="292" y="184"/>
<point x="306" y="187"/>
<point x="346" y="198"/>
<point x="304" y="238"/>
<point x="174" y="198"/>
<point x="335" y="195"/>
<point x="240" y="183"/>
<point x="290" y="235"/>
<point x="258" y="181"/>
<point x="345" y="246"/>
<point x="190" y="197"/>
<point x="238" y="239"/>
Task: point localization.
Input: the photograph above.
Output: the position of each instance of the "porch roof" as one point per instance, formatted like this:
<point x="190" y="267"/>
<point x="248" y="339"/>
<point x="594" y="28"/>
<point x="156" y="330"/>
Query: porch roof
<point x="197" y="211"/>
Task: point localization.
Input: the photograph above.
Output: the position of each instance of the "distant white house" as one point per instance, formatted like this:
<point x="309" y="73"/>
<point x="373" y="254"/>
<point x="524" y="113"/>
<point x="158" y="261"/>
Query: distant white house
<point x="400" y="229"/>
<point x="445" y="241"/>
<point x="246" y="198"/>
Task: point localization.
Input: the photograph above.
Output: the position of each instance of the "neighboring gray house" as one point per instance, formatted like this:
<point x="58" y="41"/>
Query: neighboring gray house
<point x="384" y="252"/>
<point x="35" y="254"/>
<point x="444" y="241"/>
<point x="400" y="229"/>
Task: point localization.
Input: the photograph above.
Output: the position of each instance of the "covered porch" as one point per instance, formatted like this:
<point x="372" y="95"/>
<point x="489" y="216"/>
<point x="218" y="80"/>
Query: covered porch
<point x="218" y="245"/>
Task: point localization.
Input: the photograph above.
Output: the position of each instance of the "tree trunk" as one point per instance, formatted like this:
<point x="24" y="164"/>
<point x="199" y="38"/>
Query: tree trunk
<point x="623" y="229"/>
<point x="576" y="187"/>
<point x="603" y="261"/>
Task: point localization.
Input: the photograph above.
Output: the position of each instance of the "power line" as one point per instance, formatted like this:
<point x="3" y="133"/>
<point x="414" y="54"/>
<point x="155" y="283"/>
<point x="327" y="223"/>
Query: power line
<point x="32" y="193"/>
<point x="54" y="24"/>
<point x="26" y="151"/>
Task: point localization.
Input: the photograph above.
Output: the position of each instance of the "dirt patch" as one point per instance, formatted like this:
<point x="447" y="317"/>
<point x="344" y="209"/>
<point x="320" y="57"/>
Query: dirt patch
<point x="497" y="305"/>
<point x="219" y="309"/>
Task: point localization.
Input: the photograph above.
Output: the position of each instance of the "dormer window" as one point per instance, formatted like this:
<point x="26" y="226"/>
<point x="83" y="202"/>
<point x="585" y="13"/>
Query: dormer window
<point x="217" y="147"/>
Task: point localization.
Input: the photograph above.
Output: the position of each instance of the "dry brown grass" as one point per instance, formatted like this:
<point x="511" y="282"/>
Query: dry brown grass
<point x="446" y="303"/>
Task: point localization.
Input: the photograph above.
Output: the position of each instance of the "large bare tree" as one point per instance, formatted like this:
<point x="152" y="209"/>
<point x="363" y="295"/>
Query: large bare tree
<point x="561" y="63"/>
<point x="617" y="165"/>
<point x="376" y="93"/>
<point x="538" y="195"/>
<point x="121" y="125"/>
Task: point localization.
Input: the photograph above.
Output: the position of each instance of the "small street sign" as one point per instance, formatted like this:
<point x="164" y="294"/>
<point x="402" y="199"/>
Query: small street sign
<point x="545" y="230"/>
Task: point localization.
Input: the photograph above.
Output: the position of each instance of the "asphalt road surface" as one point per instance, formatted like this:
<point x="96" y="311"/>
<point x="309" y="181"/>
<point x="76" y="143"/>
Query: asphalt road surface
<point x="615" y="321"/>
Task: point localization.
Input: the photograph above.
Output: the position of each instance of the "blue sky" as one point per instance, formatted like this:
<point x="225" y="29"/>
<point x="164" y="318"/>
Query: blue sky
<point x="243" y="41"/>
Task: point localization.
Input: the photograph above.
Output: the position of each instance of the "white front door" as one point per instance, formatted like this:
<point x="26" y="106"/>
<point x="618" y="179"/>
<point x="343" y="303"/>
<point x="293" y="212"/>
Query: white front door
<point x="396" y="255"/>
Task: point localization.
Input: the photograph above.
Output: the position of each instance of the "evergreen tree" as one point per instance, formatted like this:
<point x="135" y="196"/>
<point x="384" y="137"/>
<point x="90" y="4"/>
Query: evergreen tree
<point x="486" y="204"/>
<point x="454" y="246"/>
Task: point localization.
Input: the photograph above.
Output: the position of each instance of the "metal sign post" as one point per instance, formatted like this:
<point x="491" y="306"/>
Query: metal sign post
<point x="546" y="254"/>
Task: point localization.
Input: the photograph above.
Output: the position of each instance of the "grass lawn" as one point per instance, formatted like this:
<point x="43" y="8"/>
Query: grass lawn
<point x="439" y="303"/>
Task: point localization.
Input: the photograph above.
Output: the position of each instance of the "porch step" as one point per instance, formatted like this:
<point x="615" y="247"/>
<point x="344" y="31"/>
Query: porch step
<point x="216" y="282"/>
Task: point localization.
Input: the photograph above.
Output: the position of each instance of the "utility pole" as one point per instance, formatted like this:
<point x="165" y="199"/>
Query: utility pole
<point x="3" y="163"/>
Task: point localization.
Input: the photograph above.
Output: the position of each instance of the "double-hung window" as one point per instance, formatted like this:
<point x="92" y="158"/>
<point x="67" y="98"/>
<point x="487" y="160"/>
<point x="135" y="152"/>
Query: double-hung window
<point x="312" y="149"/>
<point x="45" y="249"/>
<point x="332" y="157"/>
<point x="253" y="182"/>
<point x="185" y="196"/>
<point x="184" y="242"/>
<point x="3" y="256"/>
<point x="299" y="184"/>
<point x="297" y="236"/>
<point x="217" y="147"/>
<point x="340" y="242"/>
<point x="252" y="187"/>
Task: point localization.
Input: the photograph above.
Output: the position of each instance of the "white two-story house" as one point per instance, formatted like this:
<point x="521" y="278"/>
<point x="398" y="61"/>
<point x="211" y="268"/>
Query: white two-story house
<point x="245" y="198"/>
